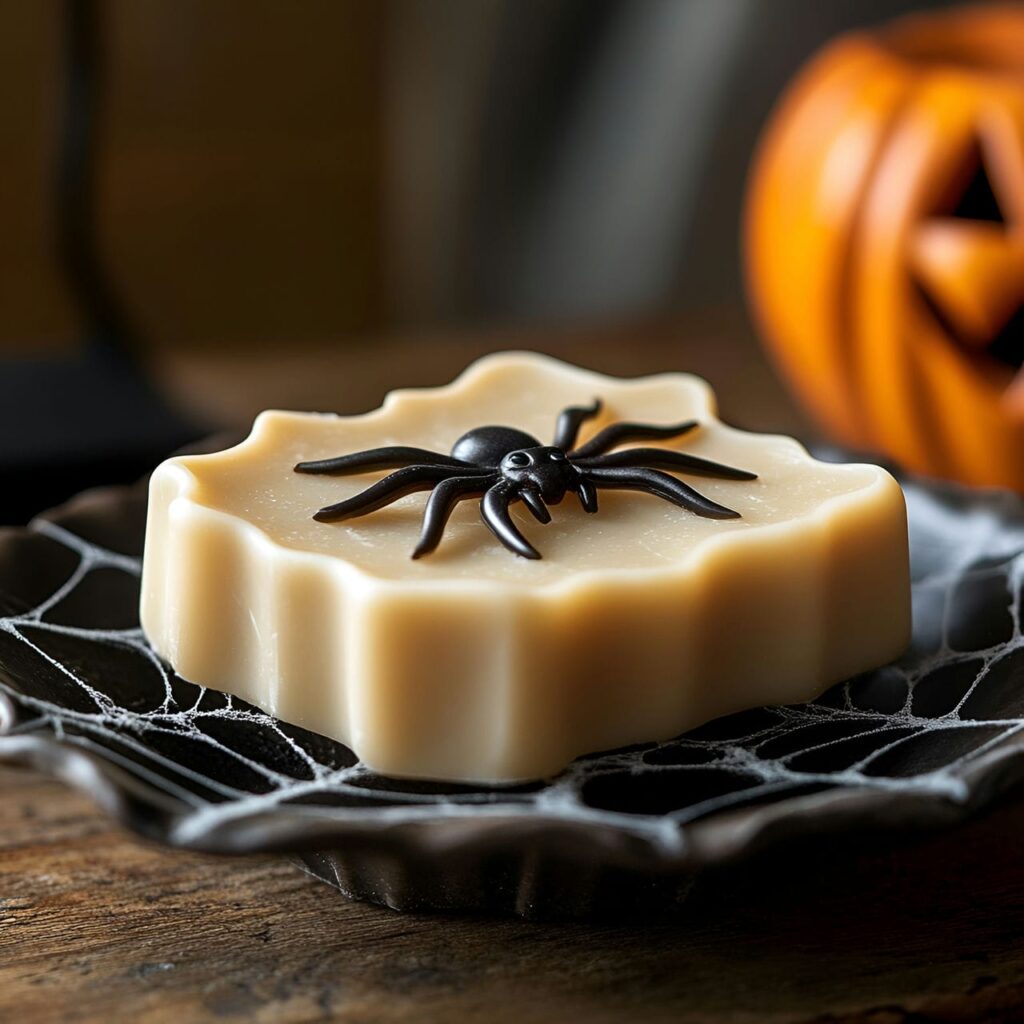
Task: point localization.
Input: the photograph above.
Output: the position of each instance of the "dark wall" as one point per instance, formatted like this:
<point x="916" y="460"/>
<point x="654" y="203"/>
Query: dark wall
<point x="293" y="172"/>
<point x="617" y="139"/>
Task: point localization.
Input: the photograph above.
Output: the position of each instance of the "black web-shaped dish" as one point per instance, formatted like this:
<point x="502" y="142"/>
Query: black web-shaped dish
<point x="916" y="744"/>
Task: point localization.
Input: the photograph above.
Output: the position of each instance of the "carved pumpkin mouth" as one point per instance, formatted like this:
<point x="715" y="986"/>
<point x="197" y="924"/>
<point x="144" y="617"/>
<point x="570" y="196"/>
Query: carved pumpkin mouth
<point x="1004" y="352"/>
<point x="1008" y="345"/>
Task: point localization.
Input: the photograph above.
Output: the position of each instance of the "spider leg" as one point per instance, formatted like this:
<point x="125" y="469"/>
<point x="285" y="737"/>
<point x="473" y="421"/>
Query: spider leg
<point x="620" y="433"/>
<point x="392" y="457"/>
<point x="661" y="485"/>
<point x="533" y="501"/>
<point x="394" y="486"/>
<point x="494" y="512"/>
<point x="441" y="504"/>
<point x="569" y="421"/>
<point x="661" y="458"/>
<point x="587" y="493"/>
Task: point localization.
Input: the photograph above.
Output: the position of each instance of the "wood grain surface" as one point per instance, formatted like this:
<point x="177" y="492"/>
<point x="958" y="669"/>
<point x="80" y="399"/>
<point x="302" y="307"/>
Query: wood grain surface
<point x="97" y="925"/>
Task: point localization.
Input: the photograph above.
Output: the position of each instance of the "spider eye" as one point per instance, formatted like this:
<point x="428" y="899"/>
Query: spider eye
<point x="557" y="455"/>
<point x="518" y="459"/>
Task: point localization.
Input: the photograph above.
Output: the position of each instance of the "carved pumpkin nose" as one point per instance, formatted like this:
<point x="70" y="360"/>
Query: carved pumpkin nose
<point x="973" y="272"/>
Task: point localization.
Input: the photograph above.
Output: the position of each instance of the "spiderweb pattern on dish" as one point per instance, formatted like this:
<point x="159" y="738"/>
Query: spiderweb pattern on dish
<point x="74" y="666"/>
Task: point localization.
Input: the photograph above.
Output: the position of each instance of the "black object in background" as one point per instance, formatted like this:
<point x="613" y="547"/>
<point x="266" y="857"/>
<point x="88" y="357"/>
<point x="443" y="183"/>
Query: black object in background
<point x="69" y="423"/>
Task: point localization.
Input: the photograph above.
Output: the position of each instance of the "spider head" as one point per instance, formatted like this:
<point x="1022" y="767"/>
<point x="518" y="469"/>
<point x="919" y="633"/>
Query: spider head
<point x="544" y="468"/>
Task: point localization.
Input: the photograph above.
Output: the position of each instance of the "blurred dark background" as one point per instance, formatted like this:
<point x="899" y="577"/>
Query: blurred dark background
<point x="212" y="205"/>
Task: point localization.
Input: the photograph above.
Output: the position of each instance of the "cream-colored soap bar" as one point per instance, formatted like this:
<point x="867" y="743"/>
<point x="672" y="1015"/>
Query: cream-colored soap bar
<point x="639" y="621"/>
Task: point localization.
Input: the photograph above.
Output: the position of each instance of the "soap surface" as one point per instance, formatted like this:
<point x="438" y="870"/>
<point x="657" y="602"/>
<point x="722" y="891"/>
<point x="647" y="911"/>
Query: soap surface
<point x="639" y="621"/>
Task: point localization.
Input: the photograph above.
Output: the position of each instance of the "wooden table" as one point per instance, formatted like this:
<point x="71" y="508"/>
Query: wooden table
<point x="97" y="925"/>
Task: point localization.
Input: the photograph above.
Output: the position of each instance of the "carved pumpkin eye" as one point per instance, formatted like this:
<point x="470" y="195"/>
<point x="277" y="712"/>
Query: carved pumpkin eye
<point x="518" y="459"/>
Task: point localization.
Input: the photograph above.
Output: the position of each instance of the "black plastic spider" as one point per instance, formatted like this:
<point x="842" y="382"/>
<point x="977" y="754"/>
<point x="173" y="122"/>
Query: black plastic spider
<point x="504" y="465"/>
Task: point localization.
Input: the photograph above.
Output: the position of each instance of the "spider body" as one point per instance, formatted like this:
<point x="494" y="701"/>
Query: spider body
<point x="501" y="465"/>
<point x="487" y="446"/>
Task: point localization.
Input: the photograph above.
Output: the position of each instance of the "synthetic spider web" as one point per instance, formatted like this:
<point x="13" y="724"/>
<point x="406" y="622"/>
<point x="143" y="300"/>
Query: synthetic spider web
<point x="76" y="672"/>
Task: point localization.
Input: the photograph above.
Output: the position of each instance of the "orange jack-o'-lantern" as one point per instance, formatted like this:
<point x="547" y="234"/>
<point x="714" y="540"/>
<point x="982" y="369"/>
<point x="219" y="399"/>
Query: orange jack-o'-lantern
<point x="885" y="241"/>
